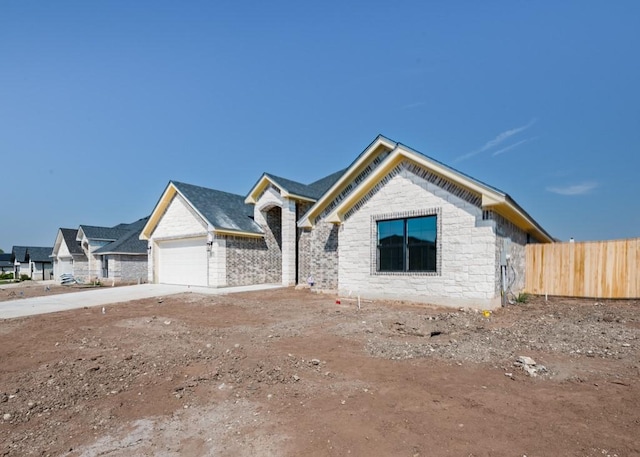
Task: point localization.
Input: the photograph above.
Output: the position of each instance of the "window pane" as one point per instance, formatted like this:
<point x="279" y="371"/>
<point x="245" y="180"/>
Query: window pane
<point x="421" y="230"/>
<point x="391" y="245"/>
<point x="390" y="232"/>
<point x="422" y="258"/>
<point x="390" y="258"/>
<point x="421" y="243"/>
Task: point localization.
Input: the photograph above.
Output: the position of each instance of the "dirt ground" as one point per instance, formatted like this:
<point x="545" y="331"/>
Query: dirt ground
<point x="292" y="373"/>
<point x="28" y="289"/>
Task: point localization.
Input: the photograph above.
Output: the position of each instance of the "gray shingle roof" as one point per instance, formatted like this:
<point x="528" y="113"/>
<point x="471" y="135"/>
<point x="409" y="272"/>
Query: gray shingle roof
<point x="5" y="260"/>
<point x="33" y="253"/>
<point x="19" y="253"/>
<point x="129" y="243"/>
<point x="324" y="184"/>
<point x="39" y="254"/>
<point x="93" y="232"/>
<point x="313" y="191"/>
<point x="69" y="236"/>
<point x="221" y="209"/>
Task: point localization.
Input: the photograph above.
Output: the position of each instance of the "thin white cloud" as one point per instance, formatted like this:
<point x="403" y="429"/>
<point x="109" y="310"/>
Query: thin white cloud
<point x="413" y="105"/>
<point x="499" y="139"/>
<point x="514" y="145"/>
<point x="576" y="189"/>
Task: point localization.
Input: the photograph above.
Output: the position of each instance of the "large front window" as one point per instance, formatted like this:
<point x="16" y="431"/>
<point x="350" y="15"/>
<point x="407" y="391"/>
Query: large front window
<point x="407" y="244"/>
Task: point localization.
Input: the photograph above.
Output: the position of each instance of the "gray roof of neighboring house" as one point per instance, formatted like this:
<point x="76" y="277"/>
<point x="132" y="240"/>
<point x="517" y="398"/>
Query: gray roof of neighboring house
<point x="33" y="253"/>
<point x="69" y="236"/>
<point x="5" y="260"/>
<point x="221" y="209"/>
<point x="129" y="243"/>
<point x="19" y="253"/>
<point x="93" y="232"/>
<point x="39" y="254"/>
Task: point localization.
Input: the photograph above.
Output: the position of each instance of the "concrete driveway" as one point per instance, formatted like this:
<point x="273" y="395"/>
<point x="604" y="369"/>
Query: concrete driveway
<point x="109" y="295"/>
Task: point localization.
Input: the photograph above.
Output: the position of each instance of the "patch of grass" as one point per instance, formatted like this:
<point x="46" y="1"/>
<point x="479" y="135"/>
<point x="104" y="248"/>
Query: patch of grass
<point x="522" y="297"/>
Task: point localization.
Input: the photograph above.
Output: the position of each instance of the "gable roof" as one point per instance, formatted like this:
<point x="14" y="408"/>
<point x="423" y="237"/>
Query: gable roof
<point x="19" y="253"/>
<point x="222" y="211"/>
<point x="93" y="232"/>
<point x="69" y="237"/>
<point x="130" y="243"/>
<point x="491" y="197"/>
<point x="31" y="253"/>
<point x="115" y="233"/>
<point x="39" y="254"/>
<point x="292" y="189"/>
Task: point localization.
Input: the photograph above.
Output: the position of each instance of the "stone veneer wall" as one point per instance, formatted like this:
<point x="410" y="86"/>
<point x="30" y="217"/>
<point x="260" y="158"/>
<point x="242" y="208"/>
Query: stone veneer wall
<point x="94" y="261"/>
<point x="466" y="262"/>
<point x="517" y="240"/>
<point x="178" y="221"/>
<point x="81" y="269"/>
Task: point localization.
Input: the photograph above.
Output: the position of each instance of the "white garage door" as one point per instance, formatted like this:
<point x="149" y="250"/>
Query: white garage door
<point x="183" y="262"/>
<point x="62" y="267"/>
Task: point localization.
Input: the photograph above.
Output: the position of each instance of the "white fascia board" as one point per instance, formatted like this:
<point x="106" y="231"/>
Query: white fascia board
<point x="250" y="200"/>
<point x="143" y="234"/>
<point x="305" y="222"/>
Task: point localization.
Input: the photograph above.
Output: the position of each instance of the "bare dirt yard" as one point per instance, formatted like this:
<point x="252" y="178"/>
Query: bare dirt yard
<point x="29" y="289"/>
<point x="292" y="373"/>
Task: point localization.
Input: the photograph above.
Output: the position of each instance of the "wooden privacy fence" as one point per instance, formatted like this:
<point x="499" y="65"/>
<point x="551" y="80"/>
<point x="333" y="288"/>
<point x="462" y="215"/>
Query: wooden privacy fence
<point x="598" y="269"/>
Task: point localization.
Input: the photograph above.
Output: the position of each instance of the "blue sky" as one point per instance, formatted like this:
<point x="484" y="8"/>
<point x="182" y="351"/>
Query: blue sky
<point x="102" y="103"/>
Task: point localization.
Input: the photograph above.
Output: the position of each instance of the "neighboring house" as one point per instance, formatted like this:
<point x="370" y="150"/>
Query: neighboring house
<point x="395" y="224"/>
<point x="33" y="261"/>
<point x="6" y="264"/>
<point x="68" y="256"/>
<point x="91" y="252"/>
<point x="113" y="252"/>
<point x="125" y="259"/>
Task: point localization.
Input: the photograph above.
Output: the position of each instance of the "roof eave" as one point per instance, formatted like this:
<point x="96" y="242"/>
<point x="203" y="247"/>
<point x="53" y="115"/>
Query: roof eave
<point x="120" y="253"/>
<point x="233" y="232"/>
<point x="526" y="222"/>
<point x="491" y="198"/>
<point x="162" y="206"/>
<point x="399" y="154"/>
<point x="158" y="211"/>
<point x="256" y="190"/>
<point x="305" y="220"/>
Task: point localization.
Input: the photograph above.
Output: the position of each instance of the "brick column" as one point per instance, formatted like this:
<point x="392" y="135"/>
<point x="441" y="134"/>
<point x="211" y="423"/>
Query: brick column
<point x="288" y="242"/>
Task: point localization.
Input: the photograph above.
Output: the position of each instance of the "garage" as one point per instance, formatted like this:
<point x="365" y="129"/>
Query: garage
<point x="62" y="267"/>
<point x="183" y="262"/>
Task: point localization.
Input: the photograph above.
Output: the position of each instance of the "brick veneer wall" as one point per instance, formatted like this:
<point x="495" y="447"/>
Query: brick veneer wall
<point x="128" y="267"/>
<point x="318" y="255"/>
<point x="252" y="261"/>
<point x="257" y="260"/>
